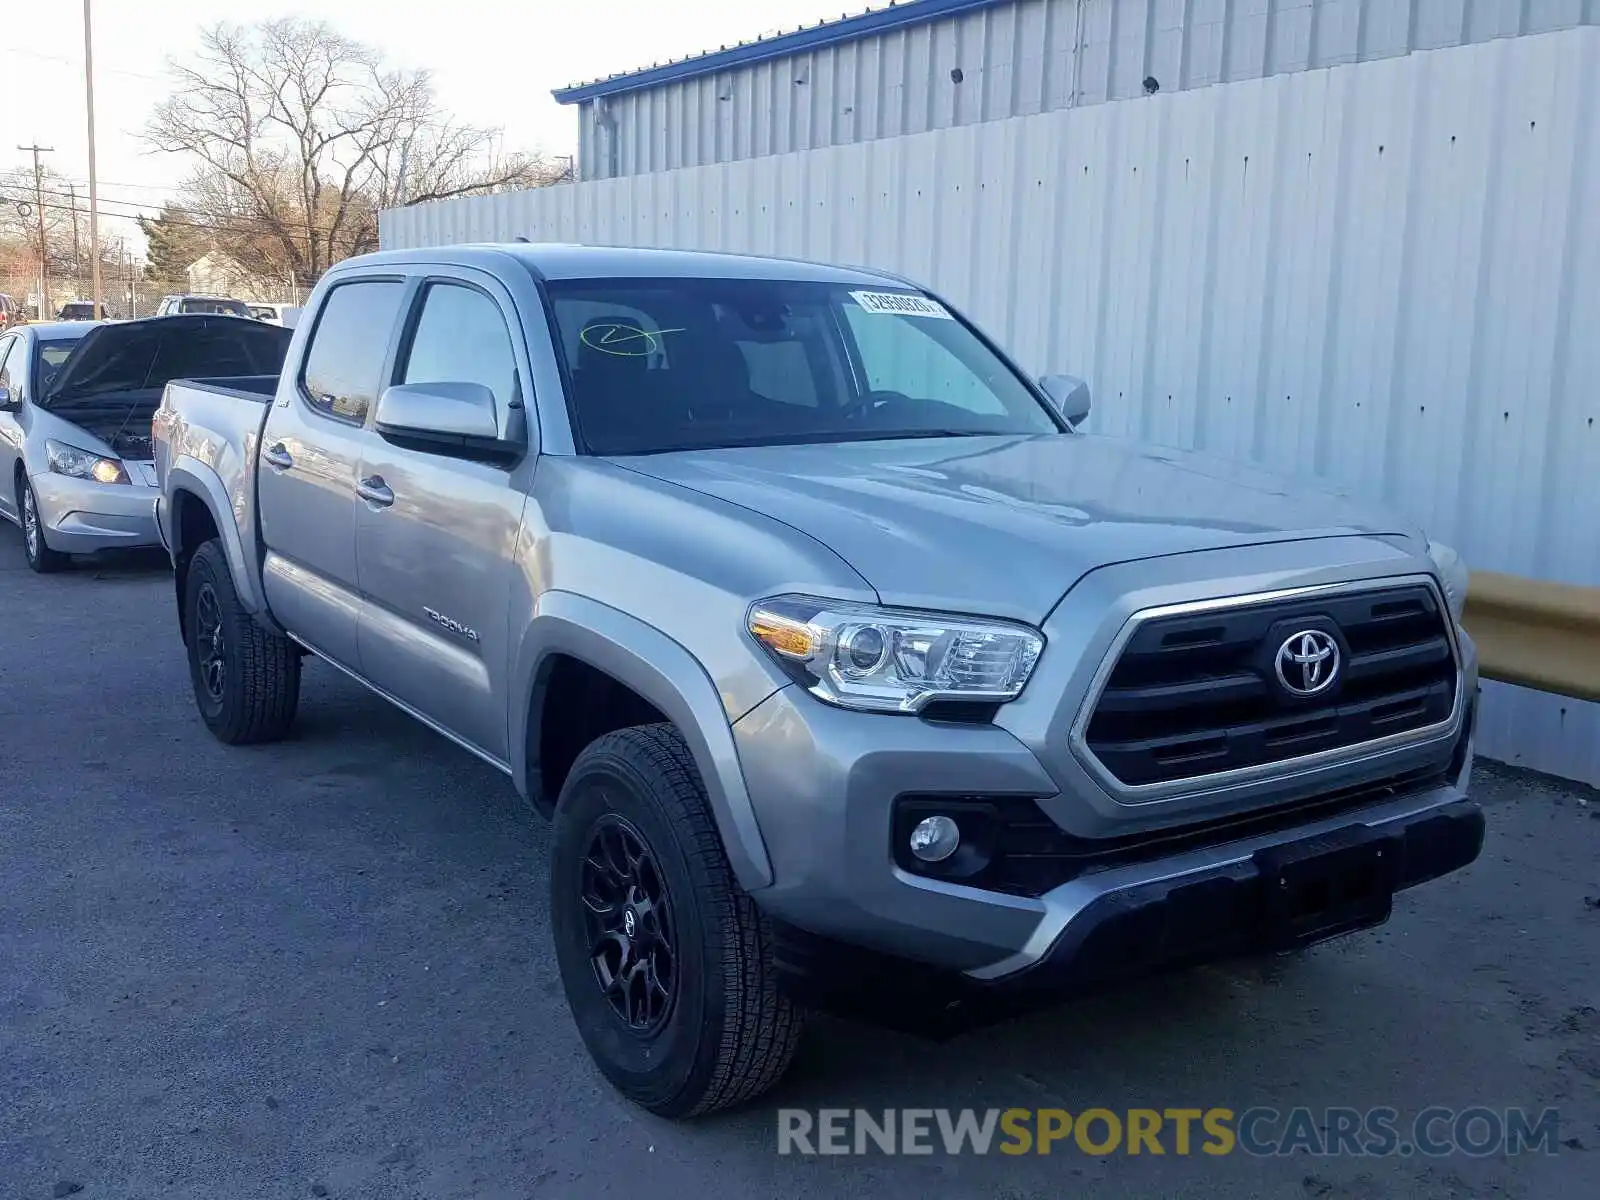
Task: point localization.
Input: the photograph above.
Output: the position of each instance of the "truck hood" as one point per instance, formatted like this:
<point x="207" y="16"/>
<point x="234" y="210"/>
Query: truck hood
<point x="1006" y="525"/>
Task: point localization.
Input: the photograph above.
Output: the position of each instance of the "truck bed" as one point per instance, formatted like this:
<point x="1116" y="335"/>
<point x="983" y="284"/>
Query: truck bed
<point x="259" y="388"/>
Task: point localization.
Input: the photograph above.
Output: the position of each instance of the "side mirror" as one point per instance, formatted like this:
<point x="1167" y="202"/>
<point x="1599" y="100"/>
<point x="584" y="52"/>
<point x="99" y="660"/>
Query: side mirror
<point x="1069" y="394"/>
<point x="7" y="403"/>
<point x="444" y="417"/>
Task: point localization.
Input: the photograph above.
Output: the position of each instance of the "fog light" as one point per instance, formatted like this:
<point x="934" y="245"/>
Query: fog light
<point x="935" y="839"/>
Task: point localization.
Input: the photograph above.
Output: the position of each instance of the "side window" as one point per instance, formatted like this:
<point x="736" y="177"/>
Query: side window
<point x="6" y="345"/>
<point x="461" y="338"/>
<point x="344" y="363"/>
<point x="904" y="354"/>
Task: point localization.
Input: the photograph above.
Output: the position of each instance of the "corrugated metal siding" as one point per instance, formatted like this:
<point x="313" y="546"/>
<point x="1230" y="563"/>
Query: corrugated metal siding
<point x="1020" y="58"/>
<point x="1387" y="274"/>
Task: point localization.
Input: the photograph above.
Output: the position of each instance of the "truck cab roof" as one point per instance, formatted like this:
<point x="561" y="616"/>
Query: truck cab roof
<point x="554" y="260"/>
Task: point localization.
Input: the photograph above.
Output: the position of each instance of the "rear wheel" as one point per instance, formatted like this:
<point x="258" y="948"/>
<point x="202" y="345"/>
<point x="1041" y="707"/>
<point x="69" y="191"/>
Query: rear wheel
<point x="666" y="963"/>
<point x="40" y="557"/>
<point x="246" y="679"/>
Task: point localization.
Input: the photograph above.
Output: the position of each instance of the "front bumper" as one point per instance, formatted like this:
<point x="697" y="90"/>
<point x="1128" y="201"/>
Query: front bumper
<point x="825" y="785"/>
<point x="80" y="516"/>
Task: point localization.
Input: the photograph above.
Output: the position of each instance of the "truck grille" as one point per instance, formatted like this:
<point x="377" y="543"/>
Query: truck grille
<point x="1199" y="693"/>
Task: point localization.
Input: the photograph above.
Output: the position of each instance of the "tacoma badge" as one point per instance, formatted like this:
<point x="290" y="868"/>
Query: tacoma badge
<point x="453" y="625"/>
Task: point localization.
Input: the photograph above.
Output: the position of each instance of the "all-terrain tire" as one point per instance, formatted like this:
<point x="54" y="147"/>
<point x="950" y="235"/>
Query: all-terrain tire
<point x="246" y="679"/>
<point x="727" y="1033"/>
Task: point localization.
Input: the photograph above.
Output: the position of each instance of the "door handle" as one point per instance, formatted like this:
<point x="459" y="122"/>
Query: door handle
<point x="278" y="456"/>
<point x="375" y="491"/>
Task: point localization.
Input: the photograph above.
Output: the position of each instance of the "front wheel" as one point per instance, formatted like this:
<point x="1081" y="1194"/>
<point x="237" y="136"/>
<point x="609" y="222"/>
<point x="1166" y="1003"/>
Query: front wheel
<point x="40" y="557"/>
<point x="246" y="679"/>
<point x="666" y="963"/>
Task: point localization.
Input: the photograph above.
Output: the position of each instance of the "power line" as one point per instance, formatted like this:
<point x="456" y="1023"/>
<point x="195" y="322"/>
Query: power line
<point x="74" y="62"/>
<point x="262" y="225"/>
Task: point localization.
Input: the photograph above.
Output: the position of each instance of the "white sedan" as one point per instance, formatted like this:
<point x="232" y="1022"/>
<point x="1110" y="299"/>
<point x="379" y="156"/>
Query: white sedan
<point x="76" y="400"/>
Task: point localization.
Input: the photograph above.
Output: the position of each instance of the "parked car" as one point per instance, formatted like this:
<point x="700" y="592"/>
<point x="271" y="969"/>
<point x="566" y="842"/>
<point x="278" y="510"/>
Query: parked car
<point x="11" y="313"/>
<point x="853" y="674"/>
<point x="276" y="314"/>
<point x="75" y="405"/>
<point x="199" y="305"/>
<point x="77" y="310"/>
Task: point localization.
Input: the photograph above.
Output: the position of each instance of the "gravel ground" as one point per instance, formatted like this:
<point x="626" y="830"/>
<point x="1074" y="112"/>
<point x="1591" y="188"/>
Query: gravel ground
<point x="323" y="969"/>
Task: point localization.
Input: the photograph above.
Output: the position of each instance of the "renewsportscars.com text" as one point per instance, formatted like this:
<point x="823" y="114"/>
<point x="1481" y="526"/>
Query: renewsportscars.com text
<point x="1374" y="1132"/>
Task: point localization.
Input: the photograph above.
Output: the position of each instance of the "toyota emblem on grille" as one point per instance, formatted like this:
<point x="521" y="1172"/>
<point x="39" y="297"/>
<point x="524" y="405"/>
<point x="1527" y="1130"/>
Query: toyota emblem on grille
<point x="1308" y="662"/>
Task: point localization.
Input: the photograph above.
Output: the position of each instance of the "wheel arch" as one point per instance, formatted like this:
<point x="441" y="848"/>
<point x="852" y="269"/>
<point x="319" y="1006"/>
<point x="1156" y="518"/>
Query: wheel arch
<point x="664" y="675"/>
<point x="196" y="506"/>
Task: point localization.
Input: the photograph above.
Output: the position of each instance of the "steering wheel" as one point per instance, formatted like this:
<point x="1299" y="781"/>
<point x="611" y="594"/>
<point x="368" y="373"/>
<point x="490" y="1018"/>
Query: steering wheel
<point x="860" y="408"/>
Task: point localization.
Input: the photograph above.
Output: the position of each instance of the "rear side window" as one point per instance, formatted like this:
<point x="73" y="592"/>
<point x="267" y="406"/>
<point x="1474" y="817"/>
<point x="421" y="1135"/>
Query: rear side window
<point x="344" y="363"/>
<point x="461" y="338"/>
<point x="216" y="308"/>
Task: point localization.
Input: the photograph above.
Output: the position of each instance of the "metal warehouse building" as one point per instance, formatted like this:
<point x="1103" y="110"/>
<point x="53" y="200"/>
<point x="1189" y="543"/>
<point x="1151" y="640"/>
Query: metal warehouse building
<point x="1357" y="240"/>
<point x="932" y="64"/>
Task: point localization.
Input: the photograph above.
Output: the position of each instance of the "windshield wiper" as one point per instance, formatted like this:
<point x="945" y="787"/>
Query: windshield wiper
<point x="815" y="437"/>
<point x="894" y="435"/>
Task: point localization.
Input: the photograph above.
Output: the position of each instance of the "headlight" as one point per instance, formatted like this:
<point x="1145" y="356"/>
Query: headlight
<point x="883" y="660"/>
<point x="83" y="464"/>
<point x="1453" y="574"/>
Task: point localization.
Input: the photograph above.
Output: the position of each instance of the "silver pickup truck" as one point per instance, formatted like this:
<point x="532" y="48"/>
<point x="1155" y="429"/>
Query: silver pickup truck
<point x="853" y="675"/>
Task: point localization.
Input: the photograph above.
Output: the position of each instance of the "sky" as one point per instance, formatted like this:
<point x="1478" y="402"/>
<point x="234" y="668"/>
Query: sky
<point x="494" y="63"/>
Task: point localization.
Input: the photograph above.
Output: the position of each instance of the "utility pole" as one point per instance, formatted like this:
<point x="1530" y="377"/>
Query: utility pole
<point x="77" y="249"/>
<point x="38" y="208"/>
<point x="94" y="193"/>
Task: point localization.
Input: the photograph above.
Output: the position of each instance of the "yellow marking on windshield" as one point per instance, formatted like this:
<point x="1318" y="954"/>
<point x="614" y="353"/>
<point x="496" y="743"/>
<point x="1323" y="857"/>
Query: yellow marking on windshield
<point x="625" y="341"/>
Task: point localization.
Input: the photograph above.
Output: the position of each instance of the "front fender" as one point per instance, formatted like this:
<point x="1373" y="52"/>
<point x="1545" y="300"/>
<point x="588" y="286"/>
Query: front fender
<point x="669" y="677"/>
<point x="189" y="474"/>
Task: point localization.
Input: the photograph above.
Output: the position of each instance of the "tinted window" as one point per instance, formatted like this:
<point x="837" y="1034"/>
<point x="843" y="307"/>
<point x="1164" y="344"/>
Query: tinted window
<point x="461" y="338"/>
<point x="218" y="308"/>
<point x="668" y="364"/>
<point x="344" y="363"/>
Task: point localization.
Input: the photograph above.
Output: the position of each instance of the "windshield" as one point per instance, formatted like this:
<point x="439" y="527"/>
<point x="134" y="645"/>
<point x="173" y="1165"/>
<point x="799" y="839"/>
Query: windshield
<point x="47" y="360"/>
<point x="215" y="308"/>
<point x="677" y="364"/>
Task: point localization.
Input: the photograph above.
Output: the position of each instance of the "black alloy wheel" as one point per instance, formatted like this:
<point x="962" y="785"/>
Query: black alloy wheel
<point x="210" y="643"/>
<point x="628" y="917"/>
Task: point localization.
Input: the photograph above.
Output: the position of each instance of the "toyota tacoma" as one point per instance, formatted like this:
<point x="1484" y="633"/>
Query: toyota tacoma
<point x="850" y="671"/>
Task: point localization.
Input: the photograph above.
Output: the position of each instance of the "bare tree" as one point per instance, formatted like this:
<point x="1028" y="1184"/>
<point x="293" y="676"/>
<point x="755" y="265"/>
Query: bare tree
<point x="300" y="136"/>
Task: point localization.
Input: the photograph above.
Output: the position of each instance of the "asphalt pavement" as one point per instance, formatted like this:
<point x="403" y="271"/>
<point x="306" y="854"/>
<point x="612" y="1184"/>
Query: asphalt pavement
<point x="323" y="968"/>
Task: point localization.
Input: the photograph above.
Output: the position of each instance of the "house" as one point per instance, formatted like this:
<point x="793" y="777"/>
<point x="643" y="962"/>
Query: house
<point x="218" y="274"/>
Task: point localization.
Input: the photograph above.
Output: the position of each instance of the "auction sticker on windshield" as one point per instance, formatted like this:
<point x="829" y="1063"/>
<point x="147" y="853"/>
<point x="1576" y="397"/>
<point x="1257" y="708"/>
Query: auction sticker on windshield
<point x="900" y="304"/>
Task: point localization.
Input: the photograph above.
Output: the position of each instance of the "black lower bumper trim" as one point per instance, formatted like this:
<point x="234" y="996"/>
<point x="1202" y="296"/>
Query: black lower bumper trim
<point x="1291" y="896"/>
